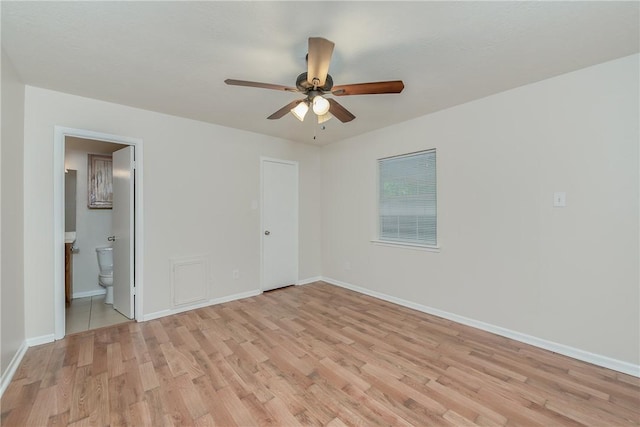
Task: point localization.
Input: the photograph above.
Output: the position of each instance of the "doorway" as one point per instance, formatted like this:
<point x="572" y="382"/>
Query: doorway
<point x="88" y="141"/>
<point x="279" y="219"/>
<point x="89" y="225"/>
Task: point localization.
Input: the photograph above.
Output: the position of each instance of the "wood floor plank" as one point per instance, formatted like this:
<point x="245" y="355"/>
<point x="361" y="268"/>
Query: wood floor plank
<point x="314" y="355"/>
<point x="154" y="407"/>
<point x="238" y="411"/>
<point x="17" y="416"/>
<point x="155" y="352"/>
<point x="55" y="364"/>
<point x="457" y="419"/>
<point x="298" y="401"/>
<point x="159" y="331"/>
<point x="126" y="341"/>
<point x="381" y="412"/>
<point x="100" y="413"/>
<point x="140" y="349"/>
<point x="44" y="406"/>
<point x="34" y="365"/>
<point x="119" y="414"/>
<point x="58" y="420"/>
<point x="281" y="413"/>
<point x="140" y="414"/>
<point x="65" y="378"/>
<point x="148" y="376"/>
<point x="18" y="392"/>
<point x="85" y="355"/>
<point x="172" y="401"/>
<point x="207" y="364"/>
<point x="115" y="364"/>
<point x="180" y="361"/>
<point x="218" y="412"/>
<point x="190" y="396"/>
<point x="205" y="421"/>
<point x="99" y="363"/>
<point x="80" y="398"/>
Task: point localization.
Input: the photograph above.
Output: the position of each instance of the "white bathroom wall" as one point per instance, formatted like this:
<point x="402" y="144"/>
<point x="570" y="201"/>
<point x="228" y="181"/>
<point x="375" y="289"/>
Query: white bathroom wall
<point x="12" y="311"/>
<point x="508" y="257"/>
<point x="200" y="185"/>
<point x="93" y="227"/>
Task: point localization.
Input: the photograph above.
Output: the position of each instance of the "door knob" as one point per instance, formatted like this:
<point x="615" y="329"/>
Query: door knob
<point x="111" y="238"/>
<point x="267" y="232"/>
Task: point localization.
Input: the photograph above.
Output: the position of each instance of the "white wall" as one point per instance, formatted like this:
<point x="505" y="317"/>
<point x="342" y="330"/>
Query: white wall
<point x="12" y="317"/>
<point x="93" y="227"/>
<point x="199" y="184"/>
<point x="508" y="258"/>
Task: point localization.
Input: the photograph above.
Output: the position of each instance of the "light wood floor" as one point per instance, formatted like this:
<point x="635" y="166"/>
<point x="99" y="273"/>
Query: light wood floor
<point x="309" y="355"/>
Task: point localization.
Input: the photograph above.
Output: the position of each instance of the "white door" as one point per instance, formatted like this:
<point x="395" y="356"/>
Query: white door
<point x="280" y="224"/>
<point x="123" y="230"/>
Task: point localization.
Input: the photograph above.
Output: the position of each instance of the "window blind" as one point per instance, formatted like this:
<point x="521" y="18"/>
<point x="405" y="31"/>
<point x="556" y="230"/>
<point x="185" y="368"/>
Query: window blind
<point x="407" y="201"/>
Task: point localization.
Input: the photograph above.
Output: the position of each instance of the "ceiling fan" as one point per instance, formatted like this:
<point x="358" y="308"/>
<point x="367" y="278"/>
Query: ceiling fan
<point x="316" y="83"/>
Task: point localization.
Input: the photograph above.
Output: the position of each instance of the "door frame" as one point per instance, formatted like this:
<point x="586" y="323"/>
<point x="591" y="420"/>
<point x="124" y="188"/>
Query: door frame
<point x="263" y="160"/>
<point x="60" y="133"/>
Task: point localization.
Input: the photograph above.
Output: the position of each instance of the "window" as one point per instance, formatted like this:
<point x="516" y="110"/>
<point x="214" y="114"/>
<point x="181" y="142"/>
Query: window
<point x="407" y="201"/>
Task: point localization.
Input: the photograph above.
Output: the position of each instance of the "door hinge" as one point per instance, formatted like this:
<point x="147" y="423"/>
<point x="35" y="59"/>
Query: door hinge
<point x="134" y="165"/>
<point x="134" y="290"/>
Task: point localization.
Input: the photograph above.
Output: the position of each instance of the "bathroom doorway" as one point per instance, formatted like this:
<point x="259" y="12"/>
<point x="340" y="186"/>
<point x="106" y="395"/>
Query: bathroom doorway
<point x="84" y="304"/>
<point x="89" y="304"/>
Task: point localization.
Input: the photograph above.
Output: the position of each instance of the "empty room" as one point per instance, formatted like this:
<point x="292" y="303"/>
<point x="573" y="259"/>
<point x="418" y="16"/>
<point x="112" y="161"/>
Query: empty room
<point x="285" y="213"/>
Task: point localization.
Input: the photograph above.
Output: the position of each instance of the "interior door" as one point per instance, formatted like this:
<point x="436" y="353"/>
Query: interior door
<point x="280" y="224"/>
<point x="123" y="230"/>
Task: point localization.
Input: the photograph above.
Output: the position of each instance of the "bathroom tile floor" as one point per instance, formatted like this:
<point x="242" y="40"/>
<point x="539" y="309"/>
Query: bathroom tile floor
<point x="91" y="313"/>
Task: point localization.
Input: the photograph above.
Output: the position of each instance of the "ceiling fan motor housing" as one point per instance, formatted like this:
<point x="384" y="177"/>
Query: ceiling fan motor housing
<point x="303" y="85"/>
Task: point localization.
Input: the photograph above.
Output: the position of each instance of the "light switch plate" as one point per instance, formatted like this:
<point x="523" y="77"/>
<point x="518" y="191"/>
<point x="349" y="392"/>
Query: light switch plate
<point x="559" y="199"/>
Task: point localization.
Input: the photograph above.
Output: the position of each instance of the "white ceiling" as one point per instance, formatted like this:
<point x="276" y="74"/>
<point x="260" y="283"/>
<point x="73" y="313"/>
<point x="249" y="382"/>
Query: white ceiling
<point x="173" y="57"/>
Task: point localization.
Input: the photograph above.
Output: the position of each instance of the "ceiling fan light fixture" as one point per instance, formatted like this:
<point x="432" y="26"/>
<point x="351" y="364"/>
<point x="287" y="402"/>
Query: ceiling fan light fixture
<point x="300" y="110"/>
<point x="324" y="117"/>
<point x="320" y="105"/>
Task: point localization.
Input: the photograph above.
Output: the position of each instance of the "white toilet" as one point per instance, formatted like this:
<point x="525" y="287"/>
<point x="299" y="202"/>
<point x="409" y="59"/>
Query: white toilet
<point x="105" y="277"/>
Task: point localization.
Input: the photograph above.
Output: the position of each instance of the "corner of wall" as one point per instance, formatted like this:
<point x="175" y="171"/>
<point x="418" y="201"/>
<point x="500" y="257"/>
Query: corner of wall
<point x="12" y="312"/>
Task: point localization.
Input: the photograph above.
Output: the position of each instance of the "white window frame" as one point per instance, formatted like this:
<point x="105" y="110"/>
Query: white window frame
<point x="379" y="240"/>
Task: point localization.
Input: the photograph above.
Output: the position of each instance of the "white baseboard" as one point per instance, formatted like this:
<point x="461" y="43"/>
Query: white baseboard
<point x="309" y="280"/>
<point x="86" y="294"/>
<point x="44" y="339"/>
<point x="8" y="374"/>
<point x="576" y="353"/>
<point x="181" y="309"/>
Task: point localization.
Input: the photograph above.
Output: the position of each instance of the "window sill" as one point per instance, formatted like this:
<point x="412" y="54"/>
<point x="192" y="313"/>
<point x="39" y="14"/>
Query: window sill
<point x="414" y="246"/>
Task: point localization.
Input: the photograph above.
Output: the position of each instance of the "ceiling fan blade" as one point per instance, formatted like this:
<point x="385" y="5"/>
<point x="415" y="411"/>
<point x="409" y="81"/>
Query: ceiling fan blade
<point x="284" y="110"/>
<point x="394" y="86"/>
<point x="318" y="60"/>
<point x="260" y="85"/>
<point x="339" y="111"/>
